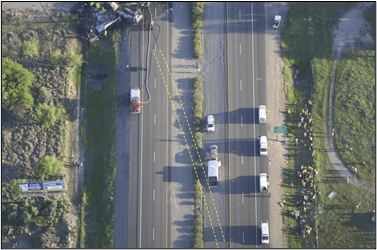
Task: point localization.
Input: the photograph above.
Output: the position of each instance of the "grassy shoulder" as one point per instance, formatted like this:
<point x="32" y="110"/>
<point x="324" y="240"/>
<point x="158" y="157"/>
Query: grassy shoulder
<point x="307" y="46"/>
<point x="98" y="198"/>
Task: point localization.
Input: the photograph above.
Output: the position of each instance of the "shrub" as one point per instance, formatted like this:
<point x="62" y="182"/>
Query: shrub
<point x="49" y="116"/>
<point x="30" y="48"/>
<point x="198" y="138"/>
<point x="55" y="57"/>
<point x="49" y="167"/>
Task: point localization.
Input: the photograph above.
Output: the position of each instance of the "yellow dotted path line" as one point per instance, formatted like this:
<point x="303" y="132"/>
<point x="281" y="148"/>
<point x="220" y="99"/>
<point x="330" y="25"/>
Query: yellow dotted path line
<point x="196" y="148"/>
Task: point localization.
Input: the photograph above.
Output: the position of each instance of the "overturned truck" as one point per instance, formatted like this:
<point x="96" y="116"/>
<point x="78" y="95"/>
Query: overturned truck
<point x="102" y="15"/>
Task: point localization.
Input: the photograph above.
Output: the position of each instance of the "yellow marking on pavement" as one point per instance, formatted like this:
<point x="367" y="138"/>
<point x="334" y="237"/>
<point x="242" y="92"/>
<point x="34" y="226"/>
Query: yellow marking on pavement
<point x="197" y="151"/>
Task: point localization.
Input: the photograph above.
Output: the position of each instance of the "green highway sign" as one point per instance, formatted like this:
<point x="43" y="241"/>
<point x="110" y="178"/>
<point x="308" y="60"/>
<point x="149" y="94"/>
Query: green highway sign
<point x="280" y="130"/>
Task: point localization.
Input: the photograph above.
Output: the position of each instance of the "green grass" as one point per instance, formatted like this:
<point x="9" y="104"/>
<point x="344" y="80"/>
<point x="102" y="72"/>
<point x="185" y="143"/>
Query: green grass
<point x="100" y="142"/>
<point x="307" y="45"/>
<point x="355" y="112"/>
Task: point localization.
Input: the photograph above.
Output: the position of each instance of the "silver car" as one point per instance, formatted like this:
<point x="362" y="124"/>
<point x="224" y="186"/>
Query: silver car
<point x="213" y="149"/>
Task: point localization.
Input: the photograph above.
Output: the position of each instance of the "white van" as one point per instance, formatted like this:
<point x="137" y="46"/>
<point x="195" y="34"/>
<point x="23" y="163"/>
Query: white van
<point x="264" y="182"/>
<point x="213" y="167"/>
<point x="265" y="236"/>
<point x="262" y="114"/>
<point x="263" y="145"/>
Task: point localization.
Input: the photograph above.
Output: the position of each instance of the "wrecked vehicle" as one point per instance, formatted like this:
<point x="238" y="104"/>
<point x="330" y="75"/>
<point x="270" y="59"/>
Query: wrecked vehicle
<point x="102" y="15"/>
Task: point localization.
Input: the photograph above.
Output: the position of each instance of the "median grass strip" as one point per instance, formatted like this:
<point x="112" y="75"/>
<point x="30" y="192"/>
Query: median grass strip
<point x="307" y="46"/>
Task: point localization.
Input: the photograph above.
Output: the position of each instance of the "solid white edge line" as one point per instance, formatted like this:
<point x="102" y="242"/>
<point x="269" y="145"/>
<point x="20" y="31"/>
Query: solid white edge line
<point x="255" y="159"/>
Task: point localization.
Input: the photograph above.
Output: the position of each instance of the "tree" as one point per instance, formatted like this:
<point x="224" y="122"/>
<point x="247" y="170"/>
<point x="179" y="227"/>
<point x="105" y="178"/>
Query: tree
<point x="30" y="48"/>
<point x="49" y="116"/>
<point x="15" y="85"/>
<point x="12" y="212"/>
<point x="34" y="211"/>
<point x="49" y="167"/>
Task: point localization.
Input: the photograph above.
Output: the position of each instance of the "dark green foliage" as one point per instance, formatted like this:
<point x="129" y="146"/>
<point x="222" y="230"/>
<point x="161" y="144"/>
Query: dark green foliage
<point x="49" y="168"/>
<point x="49" y="116"/>
<point x="15" y="85"/>
<point x="197" y="10"/>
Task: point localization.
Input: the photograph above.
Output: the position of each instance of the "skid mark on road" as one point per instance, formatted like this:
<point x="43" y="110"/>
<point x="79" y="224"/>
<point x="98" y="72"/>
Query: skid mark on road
<point x="188" y="148"/>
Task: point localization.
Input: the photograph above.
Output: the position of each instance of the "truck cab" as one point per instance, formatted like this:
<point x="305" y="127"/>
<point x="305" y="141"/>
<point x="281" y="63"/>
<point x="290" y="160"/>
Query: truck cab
<point x="265" y="236"/>
<point x="263" y="145"/>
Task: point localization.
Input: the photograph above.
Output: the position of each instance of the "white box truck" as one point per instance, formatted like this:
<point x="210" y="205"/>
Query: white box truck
<point x="213" y="167"/>
<point x="265" y="236"/>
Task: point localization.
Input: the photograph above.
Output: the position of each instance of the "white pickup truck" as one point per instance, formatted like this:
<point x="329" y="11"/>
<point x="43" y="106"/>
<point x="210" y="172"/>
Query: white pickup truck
<point x="276" y="22"/>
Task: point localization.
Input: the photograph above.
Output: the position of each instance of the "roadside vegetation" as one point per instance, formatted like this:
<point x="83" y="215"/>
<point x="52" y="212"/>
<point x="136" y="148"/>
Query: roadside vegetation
<point x="307" y="50"/>
<point x="197" y="99"/>
<point x="98" y="197"/>
<point x="197" y="11"/>
<point x="36" y="106"/>
<point x="355" y="112"/>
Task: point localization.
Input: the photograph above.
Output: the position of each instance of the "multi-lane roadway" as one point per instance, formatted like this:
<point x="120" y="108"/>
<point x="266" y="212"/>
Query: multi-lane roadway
<point x="154" y="174"/>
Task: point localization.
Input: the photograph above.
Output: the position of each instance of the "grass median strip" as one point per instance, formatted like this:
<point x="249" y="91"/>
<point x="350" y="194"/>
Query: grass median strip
<point x="194" y="141"/>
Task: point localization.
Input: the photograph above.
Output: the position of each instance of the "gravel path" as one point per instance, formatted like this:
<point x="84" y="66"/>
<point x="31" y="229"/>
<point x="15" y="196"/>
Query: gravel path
<point x="350" y="32"/>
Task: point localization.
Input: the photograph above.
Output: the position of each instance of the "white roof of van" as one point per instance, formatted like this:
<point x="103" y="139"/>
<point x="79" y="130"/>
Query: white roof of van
<point x="263" y="139"/>
<point x="213" y="168"/>
<point x="263" y="180"/>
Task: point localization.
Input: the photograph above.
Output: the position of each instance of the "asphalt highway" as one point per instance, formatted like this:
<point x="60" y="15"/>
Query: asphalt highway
<point x="247" y="90"/>
<point x="148" y="225"/>
<point x="239" y="205"/>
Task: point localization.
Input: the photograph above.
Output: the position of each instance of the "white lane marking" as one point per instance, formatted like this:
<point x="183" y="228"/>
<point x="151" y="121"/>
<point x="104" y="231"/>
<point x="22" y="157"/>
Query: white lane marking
<point x="154" y="194"/>
<point x="240" y="49"/>
<point x="242" y="198"/>
<point x="154" y="156"/>
<point x="239" y="14"/>
<point x="242" y="158"/>
<point x="155" y="83"/>
<point x="154" y="118"/>
<point x="259" y="79"/>
<point x="241" y="121"/>
<point x="255" y="159"/>
<point x="243" y="236"/>
<point x="153" y="233"/>
<point x="241" y="85"/>
<point x="155" y="13"/>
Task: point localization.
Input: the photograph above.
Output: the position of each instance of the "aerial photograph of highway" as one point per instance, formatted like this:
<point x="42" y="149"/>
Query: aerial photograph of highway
<point x="188" y="125"/>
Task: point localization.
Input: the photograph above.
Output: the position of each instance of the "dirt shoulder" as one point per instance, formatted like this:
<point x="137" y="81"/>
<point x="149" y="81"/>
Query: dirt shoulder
<point x="276" y="108"/>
